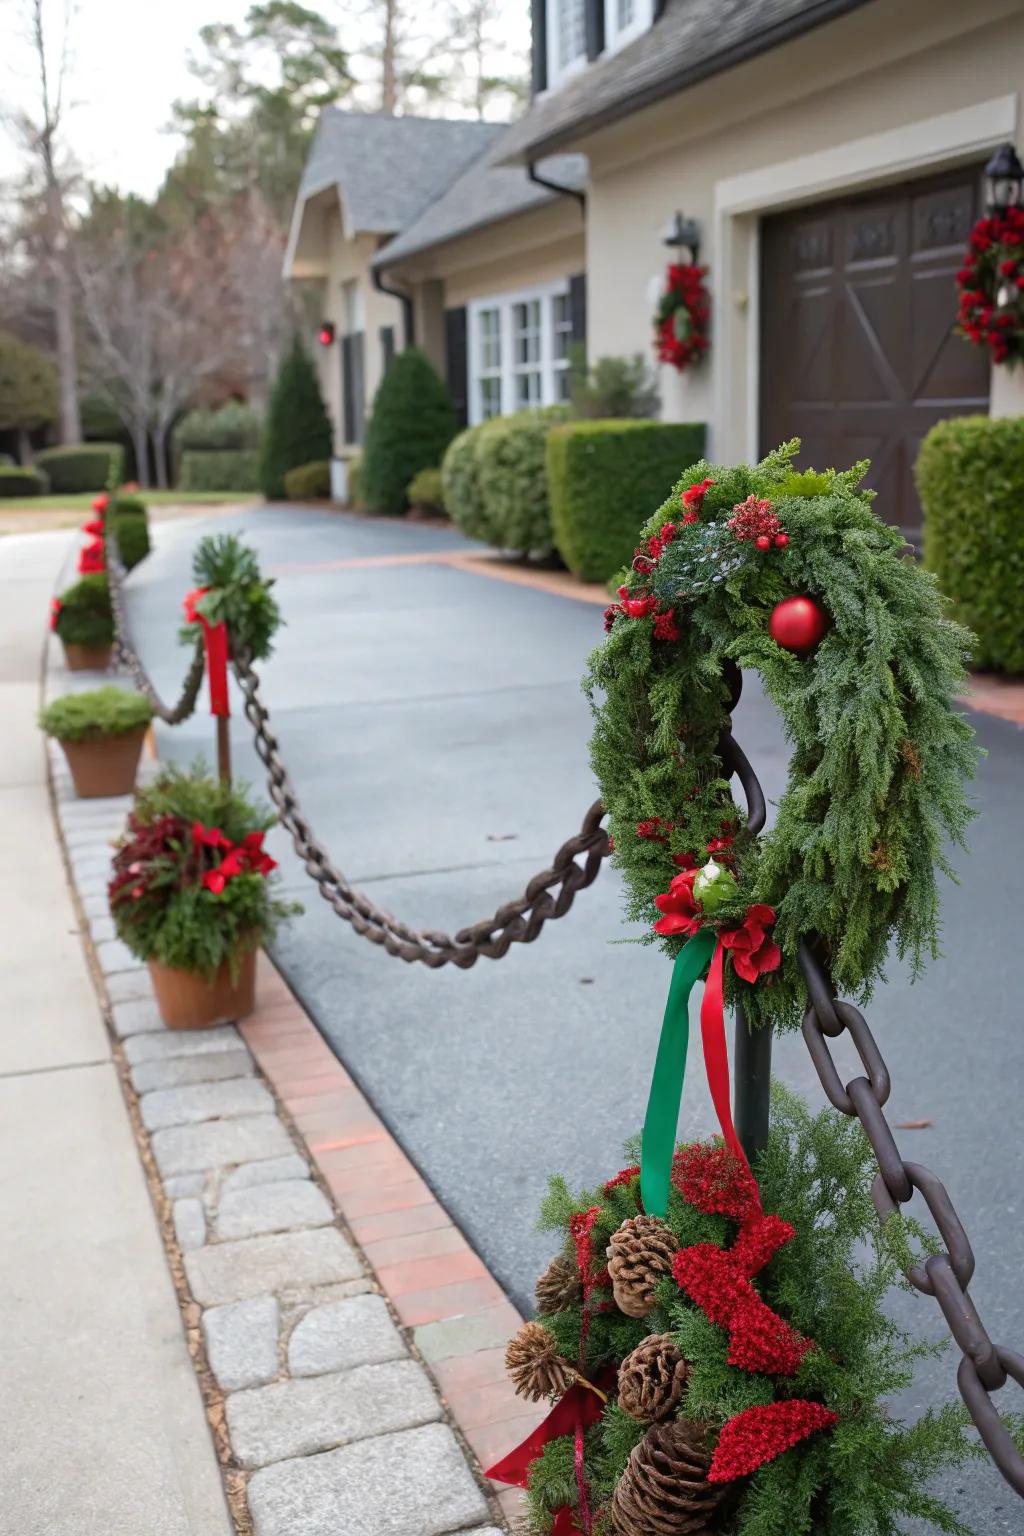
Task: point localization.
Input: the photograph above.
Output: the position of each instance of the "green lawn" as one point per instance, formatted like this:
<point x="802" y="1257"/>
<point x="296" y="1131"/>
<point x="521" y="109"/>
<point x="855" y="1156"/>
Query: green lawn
<point x="82" y="501"/>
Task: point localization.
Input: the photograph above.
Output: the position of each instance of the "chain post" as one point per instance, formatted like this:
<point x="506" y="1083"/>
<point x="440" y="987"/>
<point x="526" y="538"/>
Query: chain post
<point x="752" y="1081"/>
<point x="224" y="749"/>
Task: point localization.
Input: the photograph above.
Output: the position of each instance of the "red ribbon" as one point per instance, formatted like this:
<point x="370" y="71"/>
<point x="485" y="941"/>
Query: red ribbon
<point x="215" y="640"/>
<point x="579" y="1408"/>
<point x="716" y="1054"/>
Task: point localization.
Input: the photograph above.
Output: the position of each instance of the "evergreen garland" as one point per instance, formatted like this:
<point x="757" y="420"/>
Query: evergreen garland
<point x="879" y="755"/>
<point x="861" y="1477"/>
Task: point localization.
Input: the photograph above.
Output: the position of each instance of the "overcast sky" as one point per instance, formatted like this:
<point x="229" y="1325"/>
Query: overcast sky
<point x="129" y="63"/>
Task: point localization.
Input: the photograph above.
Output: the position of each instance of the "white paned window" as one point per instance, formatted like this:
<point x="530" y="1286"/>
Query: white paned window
<point x="519" y="350"/>
<point x="624" y="20"/>
<point x="567" y="38"/>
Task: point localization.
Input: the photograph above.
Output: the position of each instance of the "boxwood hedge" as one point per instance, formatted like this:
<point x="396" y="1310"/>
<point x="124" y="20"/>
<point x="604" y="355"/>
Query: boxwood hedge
<point x="22" y="480"/>
<point x="970" y="477"/>
<point x="605" y="478"/>
<point x="82" y="466"/>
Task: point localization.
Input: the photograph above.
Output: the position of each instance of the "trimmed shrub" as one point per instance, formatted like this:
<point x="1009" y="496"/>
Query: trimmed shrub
<point x="85" y="616"/>
<point x="297" y="430"/>
<point x="510" y="454"/>
<point x="970" y="477"/>
<point x="460" y="483"/>
<point x="219" y="469"/>
<point x="130" y="505"/>
<point x="231" y="426"/>
<point x="22" y="480"/>
<point x="613" y="387"/>
<point x="425" y="491"/>
<point x="95" y="714"/>
<point x="309" y="482"/>
<point x="132" y="534"/>
<point x="412" y="423"/>
<point x="82" y="466"/>
<point x="355" y="480"/>
<point x="604" y="477"/>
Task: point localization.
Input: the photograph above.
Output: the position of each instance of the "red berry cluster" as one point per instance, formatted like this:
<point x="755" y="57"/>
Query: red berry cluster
<point x="991" y="283"/>
<point x="756" y="519"/>
<point x="683" y="342"/>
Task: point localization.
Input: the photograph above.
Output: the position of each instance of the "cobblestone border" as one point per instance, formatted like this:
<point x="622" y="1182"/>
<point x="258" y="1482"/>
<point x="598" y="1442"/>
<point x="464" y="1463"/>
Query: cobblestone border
<point x="347" y="1340"/>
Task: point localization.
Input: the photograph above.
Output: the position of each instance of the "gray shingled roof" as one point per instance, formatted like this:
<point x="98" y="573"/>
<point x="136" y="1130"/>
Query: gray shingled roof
<point x="389" y="168"/>
<point x="486" y="192"/>
<point x="692" y="40"/>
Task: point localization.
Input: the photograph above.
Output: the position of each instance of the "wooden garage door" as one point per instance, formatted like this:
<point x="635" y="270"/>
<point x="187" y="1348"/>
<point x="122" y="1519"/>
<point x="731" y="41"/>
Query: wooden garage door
<point x="858" y="358"/>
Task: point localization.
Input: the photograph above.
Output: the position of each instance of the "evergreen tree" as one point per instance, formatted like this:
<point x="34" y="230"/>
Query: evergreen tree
<point x="413" y="422"/>
<point x="297" y="429"/>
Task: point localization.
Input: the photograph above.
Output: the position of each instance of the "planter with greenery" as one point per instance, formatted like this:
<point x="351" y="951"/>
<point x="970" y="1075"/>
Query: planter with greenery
<point x="82" y="466"/>
<point x="297" y="429"/>
<point x="601" y="476"/>
<point x="970" y="476"/>
<point x="411" y="425"/>
<point x="191" y="894"/>
<point x="84" y="622"/>
<point x="101" y="732"/>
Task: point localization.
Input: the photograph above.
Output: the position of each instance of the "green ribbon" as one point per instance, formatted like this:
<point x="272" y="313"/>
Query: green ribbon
<point x="662" y="1120"/>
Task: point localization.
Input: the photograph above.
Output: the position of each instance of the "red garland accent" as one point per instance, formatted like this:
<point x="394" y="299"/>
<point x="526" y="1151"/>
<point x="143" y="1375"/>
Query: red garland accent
<point x="760" y="1434"/>
<point x="759" y="1340"/>
<point x="656" y="829"/>
<point x="55" y="610"/>
<point x="94" y="527"/>
<point x="756" y="519"/>
<point x="681" y="318"/>
<point x="215" y="639"/>
<point x="92" y="559"/>
<point x="665" y="626"/>
<point x="991" y="283"/>
<point x="625" y="1177"/>
<point x="102" y="502"/>
<point x="580" y="1226"/>
<point x="715" y="1181"/>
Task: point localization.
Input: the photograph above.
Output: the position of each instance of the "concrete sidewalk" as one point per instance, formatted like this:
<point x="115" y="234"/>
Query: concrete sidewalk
<point x="101" y="1420"/>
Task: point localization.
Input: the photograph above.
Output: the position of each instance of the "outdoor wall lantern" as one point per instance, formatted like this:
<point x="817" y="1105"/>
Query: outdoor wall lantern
<point x="684" y="233"/>
<point x="1004" y="179"/>
<point x="325" y="336"/>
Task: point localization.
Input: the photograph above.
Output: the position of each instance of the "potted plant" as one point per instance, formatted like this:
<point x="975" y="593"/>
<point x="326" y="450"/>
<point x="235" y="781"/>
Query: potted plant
<point x="101" y="732"/>
<point x="84" y="621"/>
<point x="191" y="895"/>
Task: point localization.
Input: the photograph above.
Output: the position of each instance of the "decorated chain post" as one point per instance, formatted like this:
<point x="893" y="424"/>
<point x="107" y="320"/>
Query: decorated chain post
<point x="237" y="617"/>
<point x="711" y="1331"/>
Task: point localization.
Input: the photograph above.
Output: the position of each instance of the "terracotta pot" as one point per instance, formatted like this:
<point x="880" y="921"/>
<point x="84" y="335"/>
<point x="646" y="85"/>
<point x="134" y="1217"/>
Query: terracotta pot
<point x="86" y="658"/>
<point x="187" y="1001"/>
<point x="106" y="766"/>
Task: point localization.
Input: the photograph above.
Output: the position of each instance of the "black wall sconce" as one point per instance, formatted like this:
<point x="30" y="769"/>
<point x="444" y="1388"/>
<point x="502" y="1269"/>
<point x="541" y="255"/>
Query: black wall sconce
<point x="325" y="335"/>
<point x="1004" y="179"/>
<point x="684" y="234"/>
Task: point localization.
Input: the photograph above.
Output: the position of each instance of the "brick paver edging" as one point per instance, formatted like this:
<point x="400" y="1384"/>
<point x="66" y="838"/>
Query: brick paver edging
<point x="348" y="1342"/>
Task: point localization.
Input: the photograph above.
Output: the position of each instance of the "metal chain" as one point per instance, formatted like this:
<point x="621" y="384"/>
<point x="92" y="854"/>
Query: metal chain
<point x="985" y="1367"/>
<point x="549" y="894"/>
<point x="126" y="652"/>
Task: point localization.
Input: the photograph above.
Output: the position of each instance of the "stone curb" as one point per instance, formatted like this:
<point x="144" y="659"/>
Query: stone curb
<point x="348" y="1340"/>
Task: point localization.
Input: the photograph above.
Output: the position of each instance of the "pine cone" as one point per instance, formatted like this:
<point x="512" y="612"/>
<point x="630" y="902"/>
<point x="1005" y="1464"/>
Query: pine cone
<point x="652" y="1378"/>
<point x="639" y="1255"/>
<point x="664" y="1490"/>
<point x="559" y="1286"/>
<point x="535" y="1369"/>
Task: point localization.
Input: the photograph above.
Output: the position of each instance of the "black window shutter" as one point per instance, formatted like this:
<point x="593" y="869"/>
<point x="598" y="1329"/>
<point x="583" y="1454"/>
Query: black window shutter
<point x="348" y="392"/>
<point x="578" y="307"/>
<point x="387" y="345"/>
<point x="359" y="384"/>
<point x="539" y="45"/>
<point x="593" y="20"/>
<point x="456" y="361"/>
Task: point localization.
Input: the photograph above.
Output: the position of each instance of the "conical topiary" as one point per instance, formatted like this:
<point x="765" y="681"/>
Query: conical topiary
<point x="411" y="425"/>
<point x="297" y="429"/>
<point x="640" y="1254"/>
<point x="664" y="1490"/>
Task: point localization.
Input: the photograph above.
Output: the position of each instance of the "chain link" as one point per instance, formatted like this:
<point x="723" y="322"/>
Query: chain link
<point x="548" y="896"/>
<point x="126" y="653"/>
<point x="985" y="1367"/>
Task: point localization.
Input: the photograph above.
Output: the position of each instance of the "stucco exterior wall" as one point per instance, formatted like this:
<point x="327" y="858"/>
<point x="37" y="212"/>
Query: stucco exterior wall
<point x="709" y="150"/>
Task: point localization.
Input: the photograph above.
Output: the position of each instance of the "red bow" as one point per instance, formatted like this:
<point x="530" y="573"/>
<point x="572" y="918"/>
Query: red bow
<point x="578" y="1408"/>
<point x="94" y="527"/>
<point x="92" y="559"/>
<point x="215" y="639"/>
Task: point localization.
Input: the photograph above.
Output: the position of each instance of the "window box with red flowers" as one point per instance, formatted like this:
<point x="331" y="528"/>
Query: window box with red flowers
<point x="192" y="895"/>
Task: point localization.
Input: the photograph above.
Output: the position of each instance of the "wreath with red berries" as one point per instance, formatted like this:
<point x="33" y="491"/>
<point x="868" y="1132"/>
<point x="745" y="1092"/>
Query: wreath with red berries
<point x="681" y="318"/>
<point x="991" y="284"/>
<point x="794" y="577"/>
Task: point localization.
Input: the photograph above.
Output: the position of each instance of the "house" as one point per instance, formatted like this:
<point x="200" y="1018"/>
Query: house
<point x="831" y="154"/>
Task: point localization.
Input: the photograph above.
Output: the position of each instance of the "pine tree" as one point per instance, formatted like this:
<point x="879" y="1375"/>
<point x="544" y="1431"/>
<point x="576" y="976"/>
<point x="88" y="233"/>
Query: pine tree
<point x="297" y="429"/>
<point x="413" y="422"/>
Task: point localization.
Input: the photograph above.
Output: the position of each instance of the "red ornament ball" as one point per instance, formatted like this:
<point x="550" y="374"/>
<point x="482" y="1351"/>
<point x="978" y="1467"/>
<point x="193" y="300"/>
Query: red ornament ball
<point x="781" y="540"/>
<point x="798" y="624"/>
<point x="763" y="541"/>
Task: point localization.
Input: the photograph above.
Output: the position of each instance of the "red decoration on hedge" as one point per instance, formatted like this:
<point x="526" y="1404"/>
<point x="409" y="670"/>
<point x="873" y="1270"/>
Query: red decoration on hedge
<point x="760" y="1434"/>
<point x="681" y="318"/>
<point x="991" y="284"/>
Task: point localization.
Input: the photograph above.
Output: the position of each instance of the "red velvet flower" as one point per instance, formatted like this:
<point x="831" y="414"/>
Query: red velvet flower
<point x="666" y="628"/>
<point x="693" y="497"/>
<point x="714" y="1180"/>
<point x="681" y="914"/>
<point x="760" y="1434"/>
<point x="753" y="952"/>
<point x="639" y="607"/>
<point x="91" y="560"/>
<point x="625" y="1176"/>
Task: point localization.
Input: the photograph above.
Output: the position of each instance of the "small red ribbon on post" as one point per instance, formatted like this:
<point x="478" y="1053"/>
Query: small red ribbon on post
<point x="215" y="641"/>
